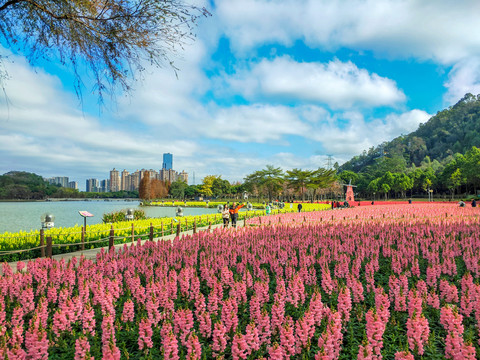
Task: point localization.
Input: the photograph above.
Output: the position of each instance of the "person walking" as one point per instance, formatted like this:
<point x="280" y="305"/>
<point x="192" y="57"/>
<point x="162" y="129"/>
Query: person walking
<point x="299" y="207"/>
<point x="225" y="216"/>
<point x="234" y="213"/>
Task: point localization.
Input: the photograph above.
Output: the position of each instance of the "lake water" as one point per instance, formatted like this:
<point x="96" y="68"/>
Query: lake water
<point x="16" y="216"/>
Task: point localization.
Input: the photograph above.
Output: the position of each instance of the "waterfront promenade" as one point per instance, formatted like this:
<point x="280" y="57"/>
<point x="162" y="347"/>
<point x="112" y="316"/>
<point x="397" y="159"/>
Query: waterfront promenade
<point x="92" y="253"/>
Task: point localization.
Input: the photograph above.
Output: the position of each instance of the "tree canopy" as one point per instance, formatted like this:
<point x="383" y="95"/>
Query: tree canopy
<point x="113" y="38"/>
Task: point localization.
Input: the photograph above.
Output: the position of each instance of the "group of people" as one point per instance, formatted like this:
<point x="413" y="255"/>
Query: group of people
<point x="338" y="204"/>
<point x="231" y="213"/>
<point x="462" y="203"/>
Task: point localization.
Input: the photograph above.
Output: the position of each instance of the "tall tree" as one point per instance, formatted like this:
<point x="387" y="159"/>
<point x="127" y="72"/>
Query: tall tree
<point x="297" y="179"/>
<point x="177" y="189"/>
<point x="456" y="179"/>
<point x="144" y="190"/>
<point x="269" y="179"/>
<point x="113" y="38"/>
<point x="158" y="189"/>
<point x="207" y="184"/>
<point x="321" y="179"/>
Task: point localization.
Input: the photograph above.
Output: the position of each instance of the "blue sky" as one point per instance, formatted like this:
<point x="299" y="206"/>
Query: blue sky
<point x="265" y="82"/>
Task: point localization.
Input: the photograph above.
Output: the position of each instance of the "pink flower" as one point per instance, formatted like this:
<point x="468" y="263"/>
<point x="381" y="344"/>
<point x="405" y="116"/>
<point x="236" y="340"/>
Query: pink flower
<point x="239" y="347"/>
<point x="205" y="324"/>
<point x="219" y="341"/>
<point x="82" y="349"/>
<point x="375" y="329"/>
<point x="169" y="342"/>
<point x="330" y="340"/>
<point x="194" y="349"/>
<point x="145" y="334"/>
<point x="252" y="338"/>
<point x="128" y="311"/>
<point x="403" y="355"/>
<point x="417" y="333"/>
<point x="276" y="352"/>
<point x="344" y="305"/>
<point x="287" y="340"/>
<point x="365" y="352"/>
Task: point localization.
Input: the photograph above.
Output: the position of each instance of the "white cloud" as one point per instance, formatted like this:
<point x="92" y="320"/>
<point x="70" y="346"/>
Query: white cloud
<point x="337" y="84"/>
<point x="42" y="129"/>
<point x="254" y="123"/>
<point x="357" y="134"/>
<point x="441" y="30"/>
<point x="463" y="78"/>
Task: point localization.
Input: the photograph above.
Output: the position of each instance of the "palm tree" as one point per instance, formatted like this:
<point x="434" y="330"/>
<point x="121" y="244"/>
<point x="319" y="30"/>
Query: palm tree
<point x="269" y="179"/>
<point x="298" y="179"/>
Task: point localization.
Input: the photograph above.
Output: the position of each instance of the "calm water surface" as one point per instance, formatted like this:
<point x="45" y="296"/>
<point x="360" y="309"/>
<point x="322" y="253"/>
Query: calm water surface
<point x="16" y="216"/>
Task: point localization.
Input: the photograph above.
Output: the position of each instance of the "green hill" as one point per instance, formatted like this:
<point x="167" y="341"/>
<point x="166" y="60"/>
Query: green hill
<point x="434" y="151"/>
<point x="24" y="185"/>
<point x="450" y="131"/>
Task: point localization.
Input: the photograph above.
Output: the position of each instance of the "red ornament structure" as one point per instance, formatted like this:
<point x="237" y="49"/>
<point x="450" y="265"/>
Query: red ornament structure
<point x="349" y="196"/>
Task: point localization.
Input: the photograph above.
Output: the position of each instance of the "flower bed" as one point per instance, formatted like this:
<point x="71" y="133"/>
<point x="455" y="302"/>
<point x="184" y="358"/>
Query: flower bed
<point x="69" y="239"/>
<point x="400" y="286"/>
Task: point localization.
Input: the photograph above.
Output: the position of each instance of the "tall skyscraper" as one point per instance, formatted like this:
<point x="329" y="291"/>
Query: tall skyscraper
<point x="105" y="185"/>
<point x="167" y="161"/>
<point x="123" y="185"/>
<point x="183" y="176"/>
<point x="59" y="180"/>
<point x="92" y="185"/>
<point x="114" y="180"/>
<point x="73" y="185"/>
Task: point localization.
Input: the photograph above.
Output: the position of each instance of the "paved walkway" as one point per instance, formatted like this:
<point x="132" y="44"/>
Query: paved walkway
<point x="92" y="253"/>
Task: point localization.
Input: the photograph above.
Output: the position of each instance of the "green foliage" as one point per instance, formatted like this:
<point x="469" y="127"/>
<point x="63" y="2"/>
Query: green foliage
<point x="269" y="180"/>
<point x="117" y="216"/>
<point x="297" y="179"/>
<point x="177" y="189"/>
<point x="429" y="156"/>
<point x="25" y="186"/>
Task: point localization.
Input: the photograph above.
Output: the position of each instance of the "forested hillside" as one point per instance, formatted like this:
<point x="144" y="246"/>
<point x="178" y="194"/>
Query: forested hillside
<point x="24" y="185"/>
<point x="430" y="156"/>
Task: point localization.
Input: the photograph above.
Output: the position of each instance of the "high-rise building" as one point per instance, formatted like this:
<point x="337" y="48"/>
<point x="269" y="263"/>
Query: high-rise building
<point x="168" y="175"/>
<point x="92" y="185"/>
<point x="105" y="185"/>
<point x="123" y="184"/>
<point x="59" y="180"/>
<point x="62" y="181"/>
<point x="183" y="176"/>
<point x="114" y="180"/>
<point x="167" y="161"/>
<point x="73" y="185"/>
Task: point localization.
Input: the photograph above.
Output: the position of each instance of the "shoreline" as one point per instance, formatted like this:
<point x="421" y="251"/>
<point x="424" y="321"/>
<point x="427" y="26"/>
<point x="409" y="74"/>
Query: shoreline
<point x="66" y="199"/>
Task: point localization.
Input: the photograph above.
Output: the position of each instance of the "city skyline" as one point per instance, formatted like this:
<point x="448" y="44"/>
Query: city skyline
<point x="104" y="185"/>
<point x="122" y="180"/>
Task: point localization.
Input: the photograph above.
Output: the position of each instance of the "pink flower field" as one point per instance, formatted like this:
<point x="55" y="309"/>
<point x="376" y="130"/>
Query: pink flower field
<point x="393" y="282"/>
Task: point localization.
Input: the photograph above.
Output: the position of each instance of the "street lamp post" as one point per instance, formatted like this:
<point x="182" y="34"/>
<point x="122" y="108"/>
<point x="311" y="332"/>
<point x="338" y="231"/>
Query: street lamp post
<point x="47" y="221"/>
<point x="130" y="214"/>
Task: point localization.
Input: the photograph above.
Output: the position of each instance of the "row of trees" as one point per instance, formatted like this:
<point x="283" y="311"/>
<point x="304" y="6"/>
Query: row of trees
<point x="212" y="186"/>
<point x="269" y="183"/>
<point x="390" y="177"/>
<point x="273" y="183"/>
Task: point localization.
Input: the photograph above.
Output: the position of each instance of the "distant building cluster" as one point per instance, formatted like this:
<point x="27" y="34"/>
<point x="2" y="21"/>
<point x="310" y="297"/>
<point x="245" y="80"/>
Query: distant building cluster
<point x="131" y="181"/>
<point x="125" y="180"/>
<point x="63" y="182"/>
